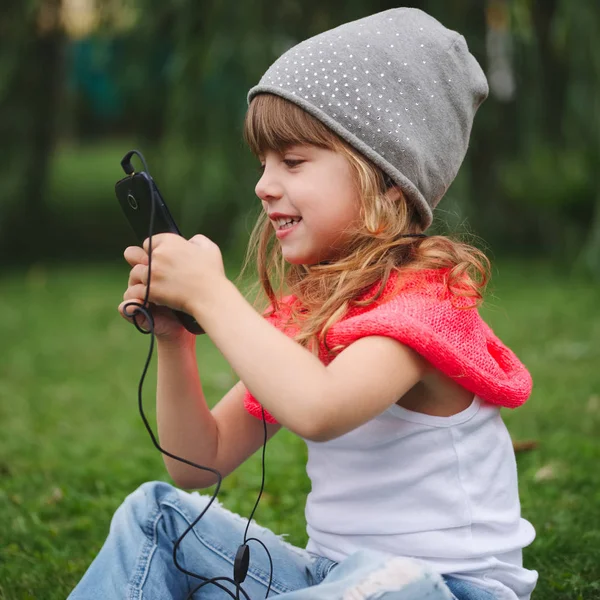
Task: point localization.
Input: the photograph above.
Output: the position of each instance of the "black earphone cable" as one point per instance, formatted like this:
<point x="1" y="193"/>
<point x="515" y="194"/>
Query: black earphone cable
<point x="262" y="487"/>
<point x="243" y="555"/>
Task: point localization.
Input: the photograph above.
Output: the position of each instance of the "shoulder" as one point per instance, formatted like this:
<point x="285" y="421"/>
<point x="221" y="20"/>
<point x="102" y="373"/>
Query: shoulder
<point x="409" y="300"/>
<point x="419" y="311"/>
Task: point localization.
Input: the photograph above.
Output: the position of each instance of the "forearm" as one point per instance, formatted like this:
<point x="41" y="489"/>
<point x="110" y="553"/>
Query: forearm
<point x="186" y="427"/>
<point x="286" y="378"/>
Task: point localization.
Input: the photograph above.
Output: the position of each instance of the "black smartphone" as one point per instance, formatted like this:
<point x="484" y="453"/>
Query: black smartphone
<point x="134" y="193"/>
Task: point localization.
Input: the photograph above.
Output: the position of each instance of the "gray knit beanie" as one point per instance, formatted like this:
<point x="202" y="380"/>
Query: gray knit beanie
<point x="398" y="86"/>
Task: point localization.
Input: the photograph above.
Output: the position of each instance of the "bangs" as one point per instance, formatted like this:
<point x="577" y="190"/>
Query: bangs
<point x="273" y="123"/>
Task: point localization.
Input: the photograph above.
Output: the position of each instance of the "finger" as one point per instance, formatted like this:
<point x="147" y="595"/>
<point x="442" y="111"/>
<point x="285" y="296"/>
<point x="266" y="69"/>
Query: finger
<point x="131" y="313"/>
<point x="127" y="306"/>
<point x="202" y="240"/>
<point x="157" y="240"/>
<point x="139" y="274"/>
<point x="135" y="292"/>
<point x="135" y="255"/>
<point x="198" y="239"/>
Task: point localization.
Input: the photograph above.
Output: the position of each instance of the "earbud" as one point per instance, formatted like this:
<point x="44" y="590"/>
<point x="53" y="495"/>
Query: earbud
<point x="240" y="565"/>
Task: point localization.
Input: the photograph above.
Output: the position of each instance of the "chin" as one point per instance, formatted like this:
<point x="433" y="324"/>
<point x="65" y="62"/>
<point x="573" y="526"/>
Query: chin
<point x="298" y="260"/>
<point x="295" y="260"/>
<point x="309" y="257"/>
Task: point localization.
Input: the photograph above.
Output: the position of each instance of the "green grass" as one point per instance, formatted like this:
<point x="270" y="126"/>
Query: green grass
<point x="73" y="445"/>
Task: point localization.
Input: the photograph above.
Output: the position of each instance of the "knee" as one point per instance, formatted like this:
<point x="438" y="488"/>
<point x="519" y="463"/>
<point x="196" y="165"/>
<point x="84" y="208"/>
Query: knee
<point x="142" y="504"/>
<point x="150" y="494"/>
<point x="155" y="499"/>
<point x="399" y="574"/>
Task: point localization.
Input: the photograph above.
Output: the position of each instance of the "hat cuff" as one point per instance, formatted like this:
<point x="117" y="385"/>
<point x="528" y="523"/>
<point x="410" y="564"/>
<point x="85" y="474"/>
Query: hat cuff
<point x="407" y="186"/>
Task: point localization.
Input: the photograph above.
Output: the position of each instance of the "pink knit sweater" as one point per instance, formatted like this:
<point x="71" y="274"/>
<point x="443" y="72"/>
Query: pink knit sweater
<point x="424" y="315"/>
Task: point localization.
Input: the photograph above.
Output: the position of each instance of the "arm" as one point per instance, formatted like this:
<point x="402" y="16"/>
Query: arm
<point x="316" y="402"/>
<point x="221" y="439"/>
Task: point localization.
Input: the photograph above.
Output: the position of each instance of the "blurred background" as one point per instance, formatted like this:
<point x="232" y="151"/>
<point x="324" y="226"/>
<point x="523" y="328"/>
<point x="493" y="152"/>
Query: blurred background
<point x="84" y="81"/>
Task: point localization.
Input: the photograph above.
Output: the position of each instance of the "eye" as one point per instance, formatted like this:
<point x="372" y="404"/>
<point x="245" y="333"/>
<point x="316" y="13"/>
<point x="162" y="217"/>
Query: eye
<point x="293" y="163"/>
<point x="288" y="162"/>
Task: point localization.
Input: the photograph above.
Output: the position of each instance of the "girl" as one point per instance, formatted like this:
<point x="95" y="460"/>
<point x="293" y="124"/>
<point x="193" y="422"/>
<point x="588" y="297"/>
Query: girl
<point x="372" y="349"/>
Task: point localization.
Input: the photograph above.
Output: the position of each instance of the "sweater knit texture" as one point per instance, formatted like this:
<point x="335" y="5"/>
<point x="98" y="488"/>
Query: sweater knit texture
<point x="418" y="310"/>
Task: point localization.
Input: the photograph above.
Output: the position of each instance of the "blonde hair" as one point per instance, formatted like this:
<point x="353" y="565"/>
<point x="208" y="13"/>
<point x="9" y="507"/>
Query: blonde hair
<point x="326" y="290"/>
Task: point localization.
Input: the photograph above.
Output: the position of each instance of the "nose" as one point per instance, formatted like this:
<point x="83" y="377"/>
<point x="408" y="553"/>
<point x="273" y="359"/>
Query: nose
<point x="267" y="187"/>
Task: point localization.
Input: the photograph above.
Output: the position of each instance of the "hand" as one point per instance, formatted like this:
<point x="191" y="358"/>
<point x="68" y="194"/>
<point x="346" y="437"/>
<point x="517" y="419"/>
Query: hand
<point x="184" y="272"/>
<point x="166" y="324"/>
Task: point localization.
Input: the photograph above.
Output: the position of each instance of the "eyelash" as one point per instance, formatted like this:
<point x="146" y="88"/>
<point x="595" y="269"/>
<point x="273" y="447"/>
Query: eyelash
<point x="289" y="162"/>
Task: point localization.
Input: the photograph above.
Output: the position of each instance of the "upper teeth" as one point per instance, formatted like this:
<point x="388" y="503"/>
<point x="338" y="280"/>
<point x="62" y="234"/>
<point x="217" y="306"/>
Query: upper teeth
<point x="285" y="220"/>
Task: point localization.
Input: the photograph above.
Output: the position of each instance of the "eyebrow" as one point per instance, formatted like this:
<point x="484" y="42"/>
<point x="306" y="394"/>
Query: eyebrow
<point x="283" y="150"/>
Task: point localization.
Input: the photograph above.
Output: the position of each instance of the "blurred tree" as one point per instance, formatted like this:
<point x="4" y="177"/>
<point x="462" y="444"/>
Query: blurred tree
<point x="530" y="181"/>
<point x="30" y="64"/>
<point x="549" y="180"/>
<point x="579" y="37"/>
<point x="141" y="60"/>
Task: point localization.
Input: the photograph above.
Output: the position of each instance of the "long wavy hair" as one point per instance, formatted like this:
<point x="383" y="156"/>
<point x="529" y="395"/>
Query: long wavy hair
<point x="325" y="291"/>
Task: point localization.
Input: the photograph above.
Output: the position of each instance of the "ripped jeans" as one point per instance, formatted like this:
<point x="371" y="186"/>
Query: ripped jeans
<point x="136" y="561"/>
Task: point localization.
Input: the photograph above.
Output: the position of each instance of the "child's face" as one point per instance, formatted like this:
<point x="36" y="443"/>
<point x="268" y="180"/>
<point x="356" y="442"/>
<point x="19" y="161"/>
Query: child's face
<point x="316" y="185"/>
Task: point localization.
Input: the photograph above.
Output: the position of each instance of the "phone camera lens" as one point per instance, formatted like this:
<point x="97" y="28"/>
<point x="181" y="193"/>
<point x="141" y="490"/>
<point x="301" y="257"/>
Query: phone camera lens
<point x="132" y="202"/>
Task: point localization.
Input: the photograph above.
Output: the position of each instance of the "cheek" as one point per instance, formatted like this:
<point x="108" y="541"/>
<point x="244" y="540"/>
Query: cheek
<point x="334" y="222"/>
<point x="329" y="202"/>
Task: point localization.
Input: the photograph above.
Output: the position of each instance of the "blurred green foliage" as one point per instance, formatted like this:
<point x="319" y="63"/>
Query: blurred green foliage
<point x="171" y="78"/>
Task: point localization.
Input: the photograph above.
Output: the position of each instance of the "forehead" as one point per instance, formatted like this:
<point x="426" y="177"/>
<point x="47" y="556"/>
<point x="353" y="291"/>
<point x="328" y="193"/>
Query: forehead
<point x="274" y="124"/>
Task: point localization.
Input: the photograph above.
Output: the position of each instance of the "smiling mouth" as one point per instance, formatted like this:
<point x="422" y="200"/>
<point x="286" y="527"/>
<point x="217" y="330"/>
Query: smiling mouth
<point x="283" y="224"/>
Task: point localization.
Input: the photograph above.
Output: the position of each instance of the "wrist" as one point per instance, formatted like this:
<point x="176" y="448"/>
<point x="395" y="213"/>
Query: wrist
<point x="182" y="340"/>
<point x="204" y="305"/>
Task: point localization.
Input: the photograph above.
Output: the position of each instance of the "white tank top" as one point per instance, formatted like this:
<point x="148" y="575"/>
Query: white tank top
<point x="441" y="489"/>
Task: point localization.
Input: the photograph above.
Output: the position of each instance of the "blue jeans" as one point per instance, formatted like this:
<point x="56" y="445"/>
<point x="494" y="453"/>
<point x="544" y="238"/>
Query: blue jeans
<point x="136" y="561"/>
